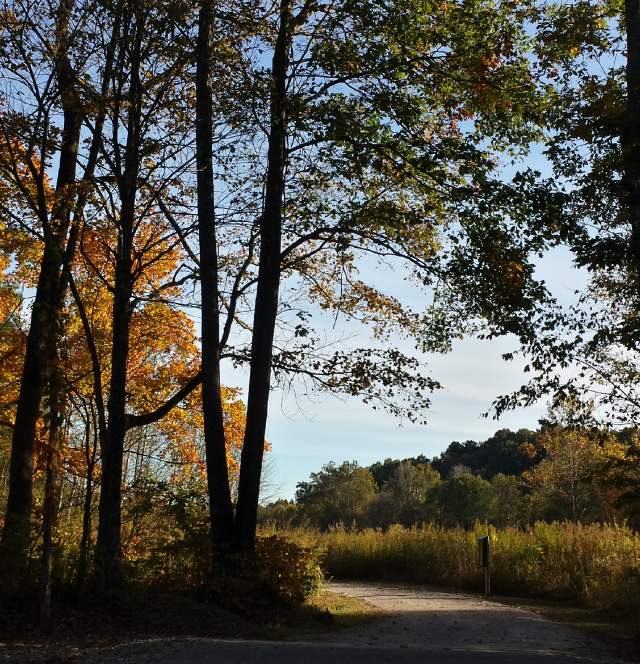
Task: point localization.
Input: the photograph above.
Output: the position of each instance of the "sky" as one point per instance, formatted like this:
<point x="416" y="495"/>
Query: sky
<point x="305" y="435"/>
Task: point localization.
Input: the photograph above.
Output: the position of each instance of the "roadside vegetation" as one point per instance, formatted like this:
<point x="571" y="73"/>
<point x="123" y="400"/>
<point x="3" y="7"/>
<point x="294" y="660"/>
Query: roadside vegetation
<point x="560" y="505"/>
<point x="595" y="565"/>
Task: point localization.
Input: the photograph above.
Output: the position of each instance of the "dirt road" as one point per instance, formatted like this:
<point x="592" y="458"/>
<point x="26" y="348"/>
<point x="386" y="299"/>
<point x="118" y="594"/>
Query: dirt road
<point x="419" y="626"/>
<point x="426" y="619"/>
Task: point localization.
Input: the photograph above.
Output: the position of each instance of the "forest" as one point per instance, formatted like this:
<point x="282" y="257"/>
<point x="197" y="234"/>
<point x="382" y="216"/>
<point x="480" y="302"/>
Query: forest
<point x="513" y="479"/>
<point x="190" y="189"/>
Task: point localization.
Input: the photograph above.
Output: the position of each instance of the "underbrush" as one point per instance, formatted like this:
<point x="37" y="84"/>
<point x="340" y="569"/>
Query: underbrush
<point x="84" y="621"/>
<point x="279" y="572"/>
<point x="169" y="587"/>
<point x="280" y="575"/>
<point x="597" y="566"/>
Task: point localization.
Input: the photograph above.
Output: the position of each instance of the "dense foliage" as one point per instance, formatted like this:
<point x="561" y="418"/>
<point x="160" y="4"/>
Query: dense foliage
<point x="561" y="473"/>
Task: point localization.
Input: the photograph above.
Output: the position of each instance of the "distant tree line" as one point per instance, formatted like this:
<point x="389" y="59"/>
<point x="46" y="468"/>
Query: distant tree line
<point x="514" y="478"/>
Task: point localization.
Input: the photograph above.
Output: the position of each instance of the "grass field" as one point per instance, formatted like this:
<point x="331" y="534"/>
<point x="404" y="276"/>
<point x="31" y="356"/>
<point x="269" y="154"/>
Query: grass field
<point x="595" y="566"/>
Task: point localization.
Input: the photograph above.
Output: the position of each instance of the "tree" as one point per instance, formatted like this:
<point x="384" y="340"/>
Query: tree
<point x="377" y="106"/>
<point x="52" y="209"/>
<point x="465" y="499"/>
<point x="589" y="53"/>
<point x="142" y="176"/>
<point x="622" y="475"/>
<point x="336" y="494"/>
<point x="509" y="504"/>
<point x="222" y="517"/>
<point x="128" y="258"/>
<point x="163" y="356"/>
<point x="567" y="483"/>
<point x="411" y="492"/>
<point x="630" y="134"/>
<point x="280" y="514"/>
<point x="506" y="452"/>
<point x="11" y="342"/>
<point x="383" y="471"/>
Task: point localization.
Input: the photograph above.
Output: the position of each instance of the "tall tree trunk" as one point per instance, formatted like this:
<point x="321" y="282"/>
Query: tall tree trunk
<point x="631" y="130"/>
<point x="266" y="307"/>
<point x="109" y="519"/>
<point x="85" y="539"/>
<point x="52" y="493"/>
<point x="108" y="545"/>
<point x="55" y="443"/>
<point x="220" y="505"/>
<point x="14" y="551"/>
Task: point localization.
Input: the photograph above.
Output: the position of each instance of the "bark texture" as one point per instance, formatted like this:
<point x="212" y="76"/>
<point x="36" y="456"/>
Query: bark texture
<point x="40" y="347"/>
<point x="220" y="505"/>
<point x="266" y="306"/>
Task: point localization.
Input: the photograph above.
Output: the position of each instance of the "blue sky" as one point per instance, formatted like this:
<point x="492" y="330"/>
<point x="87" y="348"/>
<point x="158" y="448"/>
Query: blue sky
<point x="305" y="435"/>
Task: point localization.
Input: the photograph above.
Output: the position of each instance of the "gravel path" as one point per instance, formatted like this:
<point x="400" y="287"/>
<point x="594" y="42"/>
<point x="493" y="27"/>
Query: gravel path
<point x="419" y="626"/>
<point x="426" y="619"/>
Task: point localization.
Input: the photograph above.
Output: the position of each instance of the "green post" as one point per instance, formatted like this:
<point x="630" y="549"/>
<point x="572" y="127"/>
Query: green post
<point x="483" y="551"/>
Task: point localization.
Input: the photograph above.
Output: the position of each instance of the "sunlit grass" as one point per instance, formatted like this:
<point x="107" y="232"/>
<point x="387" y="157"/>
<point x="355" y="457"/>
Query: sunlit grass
<point x="595" y="565"/>
<point x="346" y="611"/>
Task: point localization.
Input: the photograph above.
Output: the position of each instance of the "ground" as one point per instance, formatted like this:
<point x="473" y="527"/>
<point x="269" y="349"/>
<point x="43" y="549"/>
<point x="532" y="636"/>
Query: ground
<point x="425" y="619"/>
<point x="411" y="625"/>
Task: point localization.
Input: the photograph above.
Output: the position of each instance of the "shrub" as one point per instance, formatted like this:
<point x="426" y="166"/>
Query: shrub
<point x="178" y="555"/>
<point x="279" y="574"/>
<point x="293" y="571"/>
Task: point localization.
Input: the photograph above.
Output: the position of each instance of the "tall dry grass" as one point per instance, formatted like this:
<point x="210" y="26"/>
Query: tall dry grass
<point x="596" y="565"/>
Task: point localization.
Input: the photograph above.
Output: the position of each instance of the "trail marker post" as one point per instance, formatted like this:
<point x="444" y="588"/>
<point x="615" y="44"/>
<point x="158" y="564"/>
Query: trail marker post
<point x="483" y="554"/>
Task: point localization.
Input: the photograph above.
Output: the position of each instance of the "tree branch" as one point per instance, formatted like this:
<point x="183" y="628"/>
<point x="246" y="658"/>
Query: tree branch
<point x="157" y="414"/>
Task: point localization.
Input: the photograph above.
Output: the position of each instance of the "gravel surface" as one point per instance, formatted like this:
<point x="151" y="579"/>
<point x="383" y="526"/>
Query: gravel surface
<point x="420" y="618"/>
<point x="418" y="626"/>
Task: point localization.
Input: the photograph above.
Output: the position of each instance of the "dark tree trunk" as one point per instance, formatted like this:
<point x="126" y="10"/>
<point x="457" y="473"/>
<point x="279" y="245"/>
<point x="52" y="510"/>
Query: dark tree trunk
<point x="220" y="505"/>
<point x="108" y="545"/>
<point x="53" y="485"/>
<point x="56" y="419"/>
<point x="631" y="130"/>
<point x="85" y="539"/>
<point x="109" y="519"/>
<point x="14" y="551"/>
<point x="266" y="307"/>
